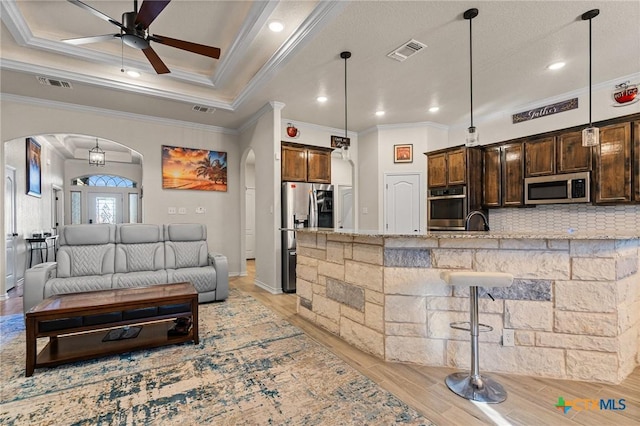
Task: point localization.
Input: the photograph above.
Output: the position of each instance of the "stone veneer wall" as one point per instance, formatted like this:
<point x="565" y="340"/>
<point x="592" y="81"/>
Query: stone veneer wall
<point x="574" y="304"/>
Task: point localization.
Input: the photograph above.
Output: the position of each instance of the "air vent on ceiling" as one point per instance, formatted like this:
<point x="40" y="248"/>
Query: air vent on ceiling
<point x="201" y="108"/>
<point x="51" y="82"/>
<point x="407" y="50"/>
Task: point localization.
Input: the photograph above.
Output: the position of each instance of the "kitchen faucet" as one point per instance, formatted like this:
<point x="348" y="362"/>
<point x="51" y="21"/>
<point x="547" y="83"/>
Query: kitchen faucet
<point x="473" y="213"/>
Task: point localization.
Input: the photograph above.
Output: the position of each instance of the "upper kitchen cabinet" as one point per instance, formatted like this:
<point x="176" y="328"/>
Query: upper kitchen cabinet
<point x="540" y="157"/>
<point x="447" y="167"/>
<point x="302" y="163"/>
<point x="613" y="164"/>
<point x="318" y="165"/>
<point x="502" y="175"/>
<point x="572" y="156"/>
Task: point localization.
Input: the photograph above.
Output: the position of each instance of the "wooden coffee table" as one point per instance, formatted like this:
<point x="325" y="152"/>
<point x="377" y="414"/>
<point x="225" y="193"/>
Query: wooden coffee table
<point x="76" y="323"/>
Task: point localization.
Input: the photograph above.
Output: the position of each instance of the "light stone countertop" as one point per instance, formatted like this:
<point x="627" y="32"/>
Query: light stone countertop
<point x="518" y="235"/>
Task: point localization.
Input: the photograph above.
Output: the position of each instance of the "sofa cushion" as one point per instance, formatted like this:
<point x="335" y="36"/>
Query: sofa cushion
<point x="185" y="232"/>
<point x="77" y="284"/>
<point x="138" y="233"/>
<point x="85" y="260"/>
<point x="139" y="279"/>
<point x="203" y="279"/>
<point x="77" y="235"/>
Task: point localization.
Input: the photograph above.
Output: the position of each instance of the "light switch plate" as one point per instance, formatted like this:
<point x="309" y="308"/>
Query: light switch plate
<point x="182" y="210"/>
<point x="171" y="210"/>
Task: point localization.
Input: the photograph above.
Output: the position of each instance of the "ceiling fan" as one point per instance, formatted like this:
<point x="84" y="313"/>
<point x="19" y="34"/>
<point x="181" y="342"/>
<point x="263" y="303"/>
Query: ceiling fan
<point x="134" y="32"/>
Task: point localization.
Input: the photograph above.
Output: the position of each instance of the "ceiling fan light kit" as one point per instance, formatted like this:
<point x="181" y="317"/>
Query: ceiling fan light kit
<point x="472" y="138"/>
<point x="590" y="135"/>
<point x="134" y="32"/>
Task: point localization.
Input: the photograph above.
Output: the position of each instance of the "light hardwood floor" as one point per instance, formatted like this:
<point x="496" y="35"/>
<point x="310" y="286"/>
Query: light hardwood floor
<point x="531" y="400"/>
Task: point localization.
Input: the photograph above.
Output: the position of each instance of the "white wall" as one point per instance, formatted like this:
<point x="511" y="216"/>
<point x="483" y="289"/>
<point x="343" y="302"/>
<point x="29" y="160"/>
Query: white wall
<point x="146" y="136"/>
<point x="32" y="213"/>
<point x="369" y="180"/>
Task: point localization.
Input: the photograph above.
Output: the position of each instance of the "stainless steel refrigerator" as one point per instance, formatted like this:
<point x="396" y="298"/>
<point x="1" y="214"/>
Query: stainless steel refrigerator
<point x="304" y="205"/>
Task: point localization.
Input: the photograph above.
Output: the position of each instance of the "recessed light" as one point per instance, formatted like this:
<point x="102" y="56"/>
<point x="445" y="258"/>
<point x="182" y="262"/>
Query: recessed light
<point x="556" y="65"/>
<point x="276" y="26"/>
<point x="321" y="99"/>
<point x="379" y="113"/>
<point x="434" y="109"/>
<point x="133" y="73"/>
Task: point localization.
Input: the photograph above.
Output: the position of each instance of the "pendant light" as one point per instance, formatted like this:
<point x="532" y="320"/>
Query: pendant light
<point x="96" y="156"/>
<point x="344" y="148"/>
<point x="590" y="135"/>
<point x="472" y="135"/>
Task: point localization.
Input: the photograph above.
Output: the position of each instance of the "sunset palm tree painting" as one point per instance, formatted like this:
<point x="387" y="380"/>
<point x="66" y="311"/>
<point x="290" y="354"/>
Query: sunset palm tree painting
<point x="190" y="168"/>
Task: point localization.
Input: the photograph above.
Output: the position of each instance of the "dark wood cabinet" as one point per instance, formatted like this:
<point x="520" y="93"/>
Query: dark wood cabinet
<point x="447" y="168"/>
<point x="613" y="165"/>
<point x="318" y="166"/>
<point x="540" y="157"/>
<point x="572" y="156"/>
<point x="301" y="163"/>
<point x="502" y="175"/>
<point x="436" y="170"/>
<point x="294" y="164"/>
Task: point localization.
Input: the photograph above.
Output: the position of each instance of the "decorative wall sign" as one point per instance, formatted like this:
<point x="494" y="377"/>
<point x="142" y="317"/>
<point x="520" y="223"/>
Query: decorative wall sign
<point x="191" y="168"/>
<point x="340" y="141"/>
<point x="292" y="131"/>
<point x="625" y="94"/>
<point x="545" y="110"/>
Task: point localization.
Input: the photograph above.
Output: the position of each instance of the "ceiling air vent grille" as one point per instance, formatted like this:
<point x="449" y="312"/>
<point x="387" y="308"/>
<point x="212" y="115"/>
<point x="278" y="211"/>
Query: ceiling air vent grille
<point x="200" y="108"/>
<point x="51" y="82"/>
<point x="407" y="50"/>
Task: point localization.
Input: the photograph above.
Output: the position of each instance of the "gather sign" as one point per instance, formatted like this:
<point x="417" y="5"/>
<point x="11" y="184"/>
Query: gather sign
<point x="545" y="110"/>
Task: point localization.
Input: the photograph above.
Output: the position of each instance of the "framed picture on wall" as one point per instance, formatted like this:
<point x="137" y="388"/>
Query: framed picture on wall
<point x="34" y="168"/>
<point x="192" y="168"/>
<point x="403" y="153"/>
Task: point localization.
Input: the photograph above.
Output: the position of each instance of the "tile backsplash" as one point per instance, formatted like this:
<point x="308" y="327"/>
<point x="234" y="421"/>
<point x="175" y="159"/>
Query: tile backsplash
<point x="562" y="217"/>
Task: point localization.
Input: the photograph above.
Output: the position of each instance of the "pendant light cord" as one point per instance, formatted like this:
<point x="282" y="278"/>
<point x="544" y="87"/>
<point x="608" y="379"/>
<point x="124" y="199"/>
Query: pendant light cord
<point x="590" y="125"/>
<point x="345" y="96"/>
<point x="471" y="67"/>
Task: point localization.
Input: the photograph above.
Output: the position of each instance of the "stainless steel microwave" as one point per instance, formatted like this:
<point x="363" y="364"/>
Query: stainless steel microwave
<point x="558" y="189"/>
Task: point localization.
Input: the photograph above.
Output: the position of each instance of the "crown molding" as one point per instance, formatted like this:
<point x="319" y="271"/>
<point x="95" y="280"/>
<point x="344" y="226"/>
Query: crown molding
<point x="324" y="12"/>
<point x="10" y="64"/>
<point x="269" y="106"/>
<point x="257" y="17"/>
<point x="109" y="112"/>
<point x="319" y="127"/>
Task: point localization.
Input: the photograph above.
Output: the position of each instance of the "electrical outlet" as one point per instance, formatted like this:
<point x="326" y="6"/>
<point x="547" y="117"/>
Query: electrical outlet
<point x="508" y="337"/>
<point x="171" y="210"/>
<point x="182" y="210"/>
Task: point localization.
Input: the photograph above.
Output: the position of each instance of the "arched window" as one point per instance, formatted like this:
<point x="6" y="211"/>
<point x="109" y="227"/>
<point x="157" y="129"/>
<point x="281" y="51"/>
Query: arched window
<point x="104" y="180"/>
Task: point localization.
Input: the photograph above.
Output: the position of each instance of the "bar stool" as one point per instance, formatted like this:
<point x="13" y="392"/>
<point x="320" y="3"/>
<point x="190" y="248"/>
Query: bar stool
<point x="473" y="386"/>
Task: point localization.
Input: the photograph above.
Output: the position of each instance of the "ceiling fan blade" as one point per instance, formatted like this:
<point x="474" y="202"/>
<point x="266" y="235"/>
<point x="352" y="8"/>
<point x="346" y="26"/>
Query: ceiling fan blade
<point x="200" y="49"/>
<point x="92" y="39"/>
<point x="96" y="12"/>
<point x="155" y="61"/>
<point x="149" y="10"/>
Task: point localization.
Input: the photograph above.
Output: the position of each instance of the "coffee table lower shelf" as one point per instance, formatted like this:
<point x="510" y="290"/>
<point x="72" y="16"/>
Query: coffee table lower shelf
<point x="79" y="347"/>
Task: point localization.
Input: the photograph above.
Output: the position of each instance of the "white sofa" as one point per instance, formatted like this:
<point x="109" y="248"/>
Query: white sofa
<point x="97" y="257"/>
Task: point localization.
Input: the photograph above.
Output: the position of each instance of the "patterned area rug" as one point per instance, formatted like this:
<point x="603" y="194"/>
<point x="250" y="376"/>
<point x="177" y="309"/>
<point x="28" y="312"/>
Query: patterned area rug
<point x="250" y="368"/>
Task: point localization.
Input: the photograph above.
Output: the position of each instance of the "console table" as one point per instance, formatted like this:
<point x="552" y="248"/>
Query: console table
<point x="76" y="323"/>
<point x="42" y="245"/>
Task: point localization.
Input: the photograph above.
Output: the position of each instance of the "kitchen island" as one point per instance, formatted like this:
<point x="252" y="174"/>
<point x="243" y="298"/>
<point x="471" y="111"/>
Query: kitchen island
<point x="574" y="305"/>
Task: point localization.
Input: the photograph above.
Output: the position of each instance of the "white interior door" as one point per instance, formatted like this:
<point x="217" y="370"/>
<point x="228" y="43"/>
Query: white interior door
<point x="104" y="207"/>
<point x="402" y="209"/>
<point x="250" y="223"/>
<point x="10" y="226"/>
<point x="345" y="207"/>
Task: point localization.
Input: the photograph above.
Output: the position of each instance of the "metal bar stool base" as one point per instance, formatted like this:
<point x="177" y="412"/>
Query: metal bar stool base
<point x="482" y="389"/>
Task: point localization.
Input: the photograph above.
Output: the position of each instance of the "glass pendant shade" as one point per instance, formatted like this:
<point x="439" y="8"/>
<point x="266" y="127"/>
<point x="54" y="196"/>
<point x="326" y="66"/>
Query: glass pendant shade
<point x="590" y="136"/>
<point x="473" y="138"/>
<point x="344" y="151"/>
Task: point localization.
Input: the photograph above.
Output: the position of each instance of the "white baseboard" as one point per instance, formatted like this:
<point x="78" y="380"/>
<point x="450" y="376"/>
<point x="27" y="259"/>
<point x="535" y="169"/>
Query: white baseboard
<point x="267" y="287"/>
